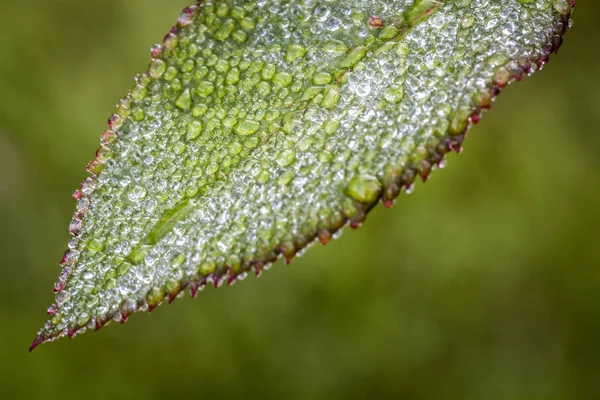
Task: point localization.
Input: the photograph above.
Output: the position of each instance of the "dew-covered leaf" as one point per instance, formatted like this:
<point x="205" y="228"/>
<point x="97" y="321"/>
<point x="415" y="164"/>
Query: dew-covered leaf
<point x="262" y="125"/>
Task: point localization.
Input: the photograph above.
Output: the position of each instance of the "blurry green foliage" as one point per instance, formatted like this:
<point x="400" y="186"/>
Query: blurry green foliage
<point x="483" y="284"/>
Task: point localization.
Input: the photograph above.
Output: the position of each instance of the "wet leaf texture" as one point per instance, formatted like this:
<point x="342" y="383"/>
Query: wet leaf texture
<point x="263" y="125"/>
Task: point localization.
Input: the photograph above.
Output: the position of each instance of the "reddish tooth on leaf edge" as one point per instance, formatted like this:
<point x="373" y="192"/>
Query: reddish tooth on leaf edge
<point x="556" y="43"/>
<point x="272" y="259"/>
<point x="76" y="225"/>
<point x="93" y="167"/>
<point x="114" y="121"/>
<point x="518" y="75"/>
<point x="231" y="279"/>
<point x="171" y="35"/>
<point x="124" y="318"/>
<point x="172" y="297"/>
<point x="193" y="290"/>
<point x="156" y="51"/>
<point x="187" y="16"/>
<point x="59" y="286"/>
<point x="62" y="279"/>
<point x="108" y="137"/>
<point x="454" y="144"/>
<point x="171" y="39"/>
<point x="425" y="170"/>
<point x="542" y="61"/>
<point x="288" y="253"/>
<point x="391" y="192"/>
<point x="324" y="236"/>
<point x="258" y="269"/>
<point x="100" y="322"/>
<point x="71" y="332"/>
<point x="65" y="257"/>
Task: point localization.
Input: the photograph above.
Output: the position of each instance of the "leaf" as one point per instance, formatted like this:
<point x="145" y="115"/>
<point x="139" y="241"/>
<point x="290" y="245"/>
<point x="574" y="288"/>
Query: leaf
<point x="262" y="125"/>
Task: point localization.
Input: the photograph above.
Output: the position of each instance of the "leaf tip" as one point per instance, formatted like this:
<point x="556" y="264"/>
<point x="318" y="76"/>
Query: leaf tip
<point x="37" y="341"/>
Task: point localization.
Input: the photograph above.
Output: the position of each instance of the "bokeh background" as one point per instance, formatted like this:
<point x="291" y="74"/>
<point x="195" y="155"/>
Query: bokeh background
<point x="482" y="284"/>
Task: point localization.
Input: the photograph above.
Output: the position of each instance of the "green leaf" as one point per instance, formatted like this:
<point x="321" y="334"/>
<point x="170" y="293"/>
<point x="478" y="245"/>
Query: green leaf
<point x="262" y="125"/>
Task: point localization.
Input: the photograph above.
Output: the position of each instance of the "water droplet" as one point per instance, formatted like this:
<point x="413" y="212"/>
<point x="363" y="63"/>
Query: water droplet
<point x="194" y="130"/>
<point x="88" y="275"/>
<point x="331" y="97"/>
<point x="62" y="297"/>
<point x="136" y="194"/>
<point x="363" y="89"/>
<point x="95" y="245"/>
<point x="184" y="101"/>
<point x="205" y="88"/>
<point x="225" y="30"/>
<point x="321" y="13"/>
<point x="283" y="79"/>
<point x="331" y="125"/>
<point x="333" y="24"/>
<point x="437" y="21"/>
<point x="246" y="127"/>
<point x="335" y="46"/>
<point x="83" y="204"/>
<point x="286" y="158"/>
<point x="294" y="52"/>
<point x="364" y="188"/>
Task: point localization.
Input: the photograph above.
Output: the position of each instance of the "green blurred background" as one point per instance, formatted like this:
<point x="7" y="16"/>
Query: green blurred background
<point x="483" y="284"/>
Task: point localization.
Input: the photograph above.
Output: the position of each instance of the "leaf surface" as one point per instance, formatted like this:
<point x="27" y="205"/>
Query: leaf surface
<point x="262" y="125"/>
